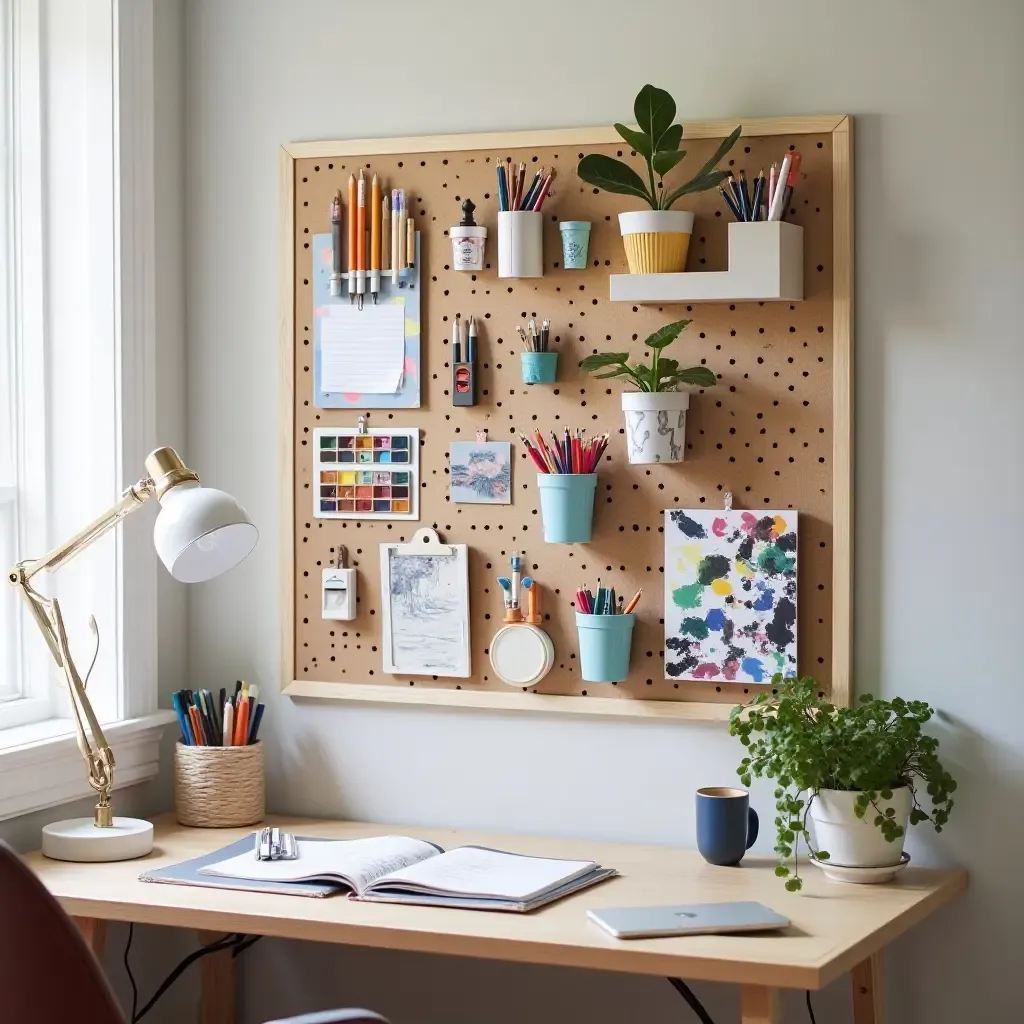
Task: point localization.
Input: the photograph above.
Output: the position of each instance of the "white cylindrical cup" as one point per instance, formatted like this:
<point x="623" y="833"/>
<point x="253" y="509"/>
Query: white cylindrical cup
<point x="520" y="243"/>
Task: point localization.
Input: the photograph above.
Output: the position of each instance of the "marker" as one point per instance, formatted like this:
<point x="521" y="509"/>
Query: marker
<point x="403" y="220"/>
<point x="375" y="239"/>
<point x="396" y="224"/>
<point x="410" y="243"/>
<point x="471" y="342"/>
<point x="361" y="238"/>
<point x="336" y="252"/>
<point x="515" y="579"/>
<point x="385" y="233"/>
<point x="353" y="246"/>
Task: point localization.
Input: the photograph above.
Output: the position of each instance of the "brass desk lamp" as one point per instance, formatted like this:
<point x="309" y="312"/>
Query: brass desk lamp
<point x="199" y="534"/>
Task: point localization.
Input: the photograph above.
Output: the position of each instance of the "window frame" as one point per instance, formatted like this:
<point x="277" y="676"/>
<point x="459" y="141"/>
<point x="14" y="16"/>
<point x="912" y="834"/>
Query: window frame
<point x="129" y="710"/>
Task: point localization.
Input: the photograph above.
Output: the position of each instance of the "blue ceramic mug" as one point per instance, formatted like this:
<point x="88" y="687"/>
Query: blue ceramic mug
<point x="726" y="824"/>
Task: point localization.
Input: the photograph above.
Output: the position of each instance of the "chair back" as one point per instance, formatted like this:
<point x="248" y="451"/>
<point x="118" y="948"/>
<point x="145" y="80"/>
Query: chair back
<point x="48" y="974"/>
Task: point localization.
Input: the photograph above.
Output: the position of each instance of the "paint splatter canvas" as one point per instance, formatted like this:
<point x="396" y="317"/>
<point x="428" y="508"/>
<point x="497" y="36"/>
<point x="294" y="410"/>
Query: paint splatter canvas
<point x="481" y="472"/>
<point x="730" y="594"/>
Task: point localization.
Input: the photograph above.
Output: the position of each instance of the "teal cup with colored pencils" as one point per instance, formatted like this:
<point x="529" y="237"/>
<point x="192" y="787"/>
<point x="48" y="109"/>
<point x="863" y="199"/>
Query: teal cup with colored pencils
<point x="539" y="367"/>
<point x="605" y="642"/>
<point x="567" y="506"/>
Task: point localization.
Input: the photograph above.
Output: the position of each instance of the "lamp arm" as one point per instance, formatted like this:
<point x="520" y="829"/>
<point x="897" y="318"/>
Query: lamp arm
<point x="47" y="614"/>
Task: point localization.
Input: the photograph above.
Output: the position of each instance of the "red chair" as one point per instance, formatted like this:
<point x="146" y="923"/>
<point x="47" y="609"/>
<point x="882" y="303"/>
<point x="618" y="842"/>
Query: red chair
<point x="48" y="975"/>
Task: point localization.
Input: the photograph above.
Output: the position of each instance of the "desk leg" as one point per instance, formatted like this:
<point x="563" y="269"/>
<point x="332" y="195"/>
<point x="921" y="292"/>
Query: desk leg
<point x="217" y="984"/>
<point x="760" y="1005"/>
<point x="94" y="931"/>
<point x="868" y="996"/>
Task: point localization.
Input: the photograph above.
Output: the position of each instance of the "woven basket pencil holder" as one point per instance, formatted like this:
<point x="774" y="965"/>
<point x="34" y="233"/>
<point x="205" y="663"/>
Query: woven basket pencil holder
<point x="219" y="787"/>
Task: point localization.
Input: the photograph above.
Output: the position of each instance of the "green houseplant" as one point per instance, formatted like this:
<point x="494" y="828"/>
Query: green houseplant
<point x="854" y="771"/>
<point x="655" y="413"/>
<point x="656" y="241"/>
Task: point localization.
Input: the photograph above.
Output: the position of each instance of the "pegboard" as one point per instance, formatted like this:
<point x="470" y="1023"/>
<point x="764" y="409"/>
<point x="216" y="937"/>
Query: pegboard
<point x="775" y="431"/>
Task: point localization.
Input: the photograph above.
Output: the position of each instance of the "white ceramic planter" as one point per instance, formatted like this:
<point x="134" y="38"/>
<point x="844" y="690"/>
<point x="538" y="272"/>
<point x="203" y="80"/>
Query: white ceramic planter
<point x="857" y="842"/>
<point x="656" y="241"/>
<point x="655" y="426"/>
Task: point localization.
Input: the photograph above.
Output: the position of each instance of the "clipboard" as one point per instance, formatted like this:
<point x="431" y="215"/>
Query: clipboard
<point x="425" y="607"/>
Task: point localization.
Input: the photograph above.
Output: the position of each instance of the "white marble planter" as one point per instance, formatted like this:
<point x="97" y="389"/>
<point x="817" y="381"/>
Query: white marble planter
<point x="655" y="426"/>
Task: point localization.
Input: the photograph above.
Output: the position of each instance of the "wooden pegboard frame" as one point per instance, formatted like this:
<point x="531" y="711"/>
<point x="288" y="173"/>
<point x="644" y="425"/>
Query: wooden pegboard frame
<point x="310" y="171"/>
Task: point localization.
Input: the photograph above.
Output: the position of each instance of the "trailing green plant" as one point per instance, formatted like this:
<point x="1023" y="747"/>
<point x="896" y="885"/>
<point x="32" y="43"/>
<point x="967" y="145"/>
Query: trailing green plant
<point x="807" y="744"/>
<point x="657" y="141"/>
<point x="661" y="375"/>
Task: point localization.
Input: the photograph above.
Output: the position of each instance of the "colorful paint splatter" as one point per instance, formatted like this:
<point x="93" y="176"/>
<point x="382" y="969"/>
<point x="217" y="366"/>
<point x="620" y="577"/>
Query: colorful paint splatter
<point x="481" y="472"/>
<point x="730" y="595"/>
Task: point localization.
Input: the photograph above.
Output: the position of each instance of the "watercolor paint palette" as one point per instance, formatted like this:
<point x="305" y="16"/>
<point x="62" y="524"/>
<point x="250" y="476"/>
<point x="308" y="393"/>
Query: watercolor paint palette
<point x="366" y="476"/>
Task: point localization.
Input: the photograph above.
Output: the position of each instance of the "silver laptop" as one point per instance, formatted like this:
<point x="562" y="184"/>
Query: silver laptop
<point x="691" y="919"/>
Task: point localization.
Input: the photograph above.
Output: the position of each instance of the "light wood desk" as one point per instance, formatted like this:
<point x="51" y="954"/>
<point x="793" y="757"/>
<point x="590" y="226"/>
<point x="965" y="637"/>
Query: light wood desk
<point x="836" y="928"/>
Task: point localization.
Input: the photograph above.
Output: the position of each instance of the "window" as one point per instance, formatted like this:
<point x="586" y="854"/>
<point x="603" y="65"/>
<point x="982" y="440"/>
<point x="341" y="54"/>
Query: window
<point x="75" y="342"/>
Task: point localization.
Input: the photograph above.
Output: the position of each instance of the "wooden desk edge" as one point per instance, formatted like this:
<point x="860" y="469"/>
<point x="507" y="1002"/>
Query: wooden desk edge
<point x="953" y="886"/>
<point x="617" y="958"/>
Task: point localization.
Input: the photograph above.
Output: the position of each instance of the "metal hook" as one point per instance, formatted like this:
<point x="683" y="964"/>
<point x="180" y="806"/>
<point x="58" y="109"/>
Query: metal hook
<point x="362" y="423"/>
<point x="727" y="499"/>
<point x="342" y="560"/>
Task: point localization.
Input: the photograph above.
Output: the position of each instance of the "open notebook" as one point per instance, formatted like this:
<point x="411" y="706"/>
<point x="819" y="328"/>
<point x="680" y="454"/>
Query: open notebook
<point x="393" y="869"/>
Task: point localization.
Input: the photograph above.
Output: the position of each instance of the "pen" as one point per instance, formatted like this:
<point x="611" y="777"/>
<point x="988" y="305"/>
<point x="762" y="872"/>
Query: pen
<point x="744" y="197"/>
<point x="353" y="246"/>
<point x="385" y="233"/>
<point x="791" y="179"/>
<point x="457" y="342"/>
<point x="375" y="219"/>
<point x="361" y="237"/>
<point x="179" y="710"/>
<point x="336" y="252"/>
<point x="775" y="213"/>
<point x="396" y="225"/>
<point x="228" y="729"/>
<point x="410" y="243"/>
<point x="515" y="579"/>
<point x="403" y="219"/>
<point x="471" y="342"/>
<point x="545" y="331"/>
<point x="257" y="717"/>
<point x="772" y="174"/>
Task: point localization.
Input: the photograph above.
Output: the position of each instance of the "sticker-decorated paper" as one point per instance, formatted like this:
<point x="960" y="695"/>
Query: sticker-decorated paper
<point x="730" y="595"/>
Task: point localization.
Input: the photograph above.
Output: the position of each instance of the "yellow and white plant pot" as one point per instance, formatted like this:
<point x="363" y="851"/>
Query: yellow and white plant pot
<point x="656" y="241"/>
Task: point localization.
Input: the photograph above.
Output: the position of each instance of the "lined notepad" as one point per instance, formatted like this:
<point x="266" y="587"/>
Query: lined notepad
<point x="362" y="351"/>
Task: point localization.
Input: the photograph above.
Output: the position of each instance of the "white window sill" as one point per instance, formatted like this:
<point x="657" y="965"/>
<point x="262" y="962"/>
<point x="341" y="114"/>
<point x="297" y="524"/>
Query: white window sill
<point x="41" y="766"/>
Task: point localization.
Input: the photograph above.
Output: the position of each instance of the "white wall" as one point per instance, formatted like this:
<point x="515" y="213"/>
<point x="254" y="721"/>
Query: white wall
<point x="934" y="85"/>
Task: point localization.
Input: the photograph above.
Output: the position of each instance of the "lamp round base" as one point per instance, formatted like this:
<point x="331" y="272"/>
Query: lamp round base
<point x="79" y="840"/>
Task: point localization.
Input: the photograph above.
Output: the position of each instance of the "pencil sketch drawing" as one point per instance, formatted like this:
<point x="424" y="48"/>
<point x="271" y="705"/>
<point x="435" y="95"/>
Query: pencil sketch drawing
<point x="429" y="613"/>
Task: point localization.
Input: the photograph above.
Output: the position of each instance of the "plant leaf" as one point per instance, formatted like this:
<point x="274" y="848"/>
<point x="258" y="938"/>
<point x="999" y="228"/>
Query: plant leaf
<point x="670" y="140"/>
<point x="666" y="159"/>
<point x="622" y="371"/>
<point x="637" y="140"/>
<point x="698" y="376"/>
<point x="655" y="110"/>
<point x="611" y="175"/>
<point x="664" y="336"/>
<point x="603" y="359"/>
<point x="694" y="185"/>
<point x="724" y="148"/>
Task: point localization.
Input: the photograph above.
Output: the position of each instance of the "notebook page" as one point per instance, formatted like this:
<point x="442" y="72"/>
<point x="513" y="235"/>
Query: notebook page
<point x="476" y="871"/>
<point x="356" y="861"/>
<point x="362" y="351"/>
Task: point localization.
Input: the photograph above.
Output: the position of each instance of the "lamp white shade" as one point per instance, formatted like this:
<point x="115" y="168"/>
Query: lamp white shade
<point x="201" y="532"/>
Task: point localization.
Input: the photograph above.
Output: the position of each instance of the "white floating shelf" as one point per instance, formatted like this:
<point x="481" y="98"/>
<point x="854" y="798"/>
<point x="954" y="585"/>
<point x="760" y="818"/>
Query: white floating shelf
<point x="766" y="264"/>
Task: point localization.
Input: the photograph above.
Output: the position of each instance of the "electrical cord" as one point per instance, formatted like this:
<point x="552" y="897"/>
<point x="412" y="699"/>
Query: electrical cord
<point x="236" y="942"/>
<point x="810" y="1008"/>
<point x="695" y="1004"/>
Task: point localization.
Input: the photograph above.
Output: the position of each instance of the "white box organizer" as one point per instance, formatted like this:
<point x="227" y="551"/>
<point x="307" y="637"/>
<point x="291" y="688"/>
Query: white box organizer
<point x="766" y="264"/>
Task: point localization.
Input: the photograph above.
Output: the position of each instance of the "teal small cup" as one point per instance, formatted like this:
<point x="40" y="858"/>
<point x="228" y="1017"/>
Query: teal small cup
<point x="567" y="506"/>
<point x="604" y="646"/>
<point x="539" y="367"/>
<point x="575" y="243"/>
